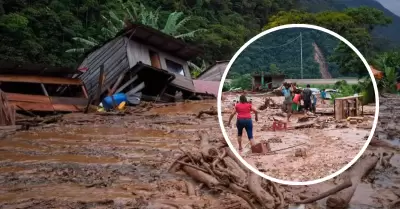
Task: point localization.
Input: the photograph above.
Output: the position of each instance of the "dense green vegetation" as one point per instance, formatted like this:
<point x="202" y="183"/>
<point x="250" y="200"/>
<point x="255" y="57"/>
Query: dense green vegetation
<point x="42" y="31"/>
<point x="282" y="50"/>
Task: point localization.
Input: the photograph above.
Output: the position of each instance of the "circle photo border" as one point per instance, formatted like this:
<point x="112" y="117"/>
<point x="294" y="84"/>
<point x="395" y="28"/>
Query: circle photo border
<point x="309" y="27"/>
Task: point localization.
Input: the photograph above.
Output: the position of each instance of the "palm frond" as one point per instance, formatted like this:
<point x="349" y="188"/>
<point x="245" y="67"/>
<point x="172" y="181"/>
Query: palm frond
<point x="108" y="33"/>
<point x="182" y="23"/>
<point x="92" y="42"/>
<point x="190" y="34"/>
<point x="110" y="24"/>
<point x="170" y="25"/>
<point x="117" y="19"/>
<point x="77" y="50"/>
<point x="126" y="9"/>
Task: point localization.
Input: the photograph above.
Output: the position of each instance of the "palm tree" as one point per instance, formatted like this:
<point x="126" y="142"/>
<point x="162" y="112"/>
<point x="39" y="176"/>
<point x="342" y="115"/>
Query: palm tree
<point x="143" y="16"/>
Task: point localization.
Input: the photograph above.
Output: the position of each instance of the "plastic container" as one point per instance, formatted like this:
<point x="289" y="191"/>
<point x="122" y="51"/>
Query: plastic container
<point x="118" y="99"/>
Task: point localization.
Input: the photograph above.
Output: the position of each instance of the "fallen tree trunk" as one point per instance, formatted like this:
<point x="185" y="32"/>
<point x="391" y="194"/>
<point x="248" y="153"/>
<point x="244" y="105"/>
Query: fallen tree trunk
<point x="202" y="177"/>
<point x="208" y="112"/>
<point x="218" y="169"/>
<point x="358" y="171"/>
<point x="260" y="194"/>
<point x="381" y="143"/>
<point x="332" y="191"/>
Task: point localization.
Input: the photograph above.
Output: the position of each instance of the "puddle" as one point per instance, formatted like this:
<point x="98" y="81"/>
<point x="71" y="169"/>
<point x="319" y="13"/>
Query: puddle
<point x="4" y="156"/>
<point x="11" y="169"/>
<point x="83" y="134"/>
<point x="69" y="192"/>
<point x="18" y="145"/>
<point x="190" y="107"/>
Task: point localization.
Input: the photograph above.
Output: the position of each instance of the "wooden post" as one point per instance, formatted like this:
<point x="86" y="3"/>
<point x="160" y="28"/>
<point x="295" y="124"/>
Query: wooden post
<point x="44" y="89"/>
<point x="84" y="92"/>
<point x="127" y="84"/>
<point x="165" y="88"/>
<point x="116" y="84"/>
<point x="100" y="85"/>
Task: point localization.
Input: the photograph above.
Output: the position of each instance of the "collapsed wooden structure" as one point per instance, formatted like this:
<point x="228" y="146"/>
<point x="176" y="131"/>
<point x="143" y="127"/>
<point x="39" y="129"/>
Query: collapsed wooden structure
<point x="40" y="88"/>
<point x="140" y="61"/>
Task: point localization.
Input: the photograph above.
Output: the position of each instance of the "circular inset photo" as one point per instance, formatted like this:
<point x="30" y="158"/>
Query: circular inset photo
<point x="299" y="103"/>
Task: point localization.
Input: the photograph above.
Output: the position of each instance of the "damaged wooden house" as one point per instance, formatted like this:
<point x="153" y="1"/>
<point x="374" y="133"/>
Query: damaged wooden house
<point x="42" y="88"/>
<point x="141" y="62"/>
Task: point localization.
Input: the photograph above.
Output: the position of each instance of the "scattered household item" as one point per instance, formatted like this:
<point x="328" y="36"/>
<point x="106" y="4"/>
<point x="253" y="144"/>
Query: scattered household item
<point x="111" y="101"/>
<point x="262" y="147"/>
<point x="121" y="106"/>
<point x="279" y="125"/>
<point x="134" y="98"/>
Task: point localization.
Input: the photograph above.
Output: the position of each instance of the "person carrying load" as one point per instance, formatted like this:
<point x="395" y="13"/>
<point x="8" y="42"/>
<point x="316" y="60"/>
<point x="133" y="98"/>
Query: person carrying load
<point x="287" y="102"/>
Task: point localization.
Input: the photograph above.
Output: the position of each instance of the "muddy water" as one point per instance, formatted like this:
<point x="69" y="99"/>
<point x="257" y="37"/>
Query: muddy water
<point x="109" y="162"/>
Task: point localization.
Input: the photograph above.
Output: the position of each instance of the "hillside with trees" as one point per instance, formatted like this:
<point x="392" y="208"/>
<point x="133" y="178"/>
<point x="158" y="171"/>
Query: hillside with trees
<point x="50" y="31"/>
<point x="58" y="32"/>
<point x="280" y="52"/>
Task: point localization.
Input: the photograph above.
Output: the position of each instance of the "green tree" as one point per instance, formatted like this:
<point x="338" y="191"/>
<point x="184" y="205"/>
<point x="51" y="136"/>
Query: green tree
<point x="114" y="24"/>
<point x="388" y="62"/>
<point x="244" y="82"/>
<point x="273" y="69"/>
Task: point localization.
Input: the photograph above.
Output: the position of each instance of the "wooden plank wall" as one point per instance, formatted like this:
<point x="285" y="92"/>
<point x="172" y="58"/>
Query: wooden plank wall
<point x="113" y="56"/>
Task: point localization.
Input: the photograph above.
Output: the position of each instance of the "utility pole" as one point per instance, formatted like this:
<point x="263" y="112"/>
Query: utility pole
<point x="301" y="55"/>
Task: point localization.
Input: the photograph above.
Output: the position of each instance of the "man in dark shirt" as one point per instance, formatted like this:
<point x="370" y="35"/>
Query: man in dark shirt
<point x="307" y="98"/>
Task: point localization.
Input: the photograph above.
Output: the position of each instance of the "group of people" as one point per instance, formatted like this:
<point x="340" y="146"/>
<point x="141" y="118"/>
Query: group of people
<point x="294" y="97"/>
<point x="292" y="102"/>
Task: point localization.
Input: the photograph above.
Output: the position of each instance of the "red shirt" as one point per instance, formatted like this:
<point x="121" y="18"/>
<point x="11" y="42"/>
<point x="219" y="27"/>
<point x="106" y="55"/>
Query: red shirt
<point x="296" y="98"/>
<point x="398" y="86"/>
<point x="243" y="110"/>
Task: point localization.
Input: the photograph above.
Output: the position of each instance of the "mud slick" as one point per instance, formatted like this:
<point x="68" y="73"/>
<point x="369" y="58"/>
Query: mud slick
<point x="313" y="146"/>
<point x="154" y="158"/>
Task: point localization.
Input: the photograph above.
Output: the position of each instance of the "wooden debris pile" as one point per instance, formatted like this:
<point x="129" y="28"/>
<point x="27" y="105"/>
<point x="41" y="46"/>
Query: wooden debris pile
<point x="217" y="168"/>
<point x="211" y="111"/>
<point x="7" y="111"/>
<point x="339" y="196"/>
<point x="269" y="103"/>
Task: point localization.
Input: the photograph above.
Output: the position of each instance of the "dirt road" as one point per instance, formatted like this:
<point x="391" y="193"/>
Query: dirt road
<point x="327" y="149"/>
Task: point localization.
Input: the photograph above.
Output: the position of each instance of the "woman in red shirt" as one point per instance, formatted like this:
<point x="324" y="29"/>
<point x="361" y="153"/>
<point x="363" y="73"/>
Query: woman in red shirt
<point x="243" y="110"/>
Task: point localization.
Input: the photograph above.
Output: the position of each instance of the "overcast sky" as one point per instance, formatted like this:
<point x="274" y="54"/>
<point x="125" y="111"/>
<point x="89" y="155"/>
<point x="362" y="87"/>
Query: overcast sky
<point x="391" y="5"/>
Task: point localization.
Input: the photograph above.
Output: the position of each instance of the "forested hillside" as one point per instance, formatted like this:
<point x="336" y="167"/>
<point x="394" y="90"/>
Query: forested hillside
<point x="279" y="52"/>
<point x="382" y="35"/>
<point x="42" y="31"/>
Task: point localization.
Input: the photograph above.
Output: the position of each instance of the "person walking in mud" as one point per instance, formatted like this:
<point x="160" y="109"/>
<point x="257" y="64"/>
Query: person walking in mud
<point x="307" y="98"/>
<point x="288" y="101"/>
<point x="243" y="110"/>
<point x="323" y="96"/>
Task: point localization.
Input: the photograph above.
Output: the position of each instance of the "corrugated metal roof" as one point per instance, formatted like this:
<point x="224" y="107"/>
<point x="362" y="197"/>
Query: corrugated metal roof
<point x="162" y="41"/>
<point x="214" y="72"/>
<point x="206" y="87"/>
<point x="150" y="36"/>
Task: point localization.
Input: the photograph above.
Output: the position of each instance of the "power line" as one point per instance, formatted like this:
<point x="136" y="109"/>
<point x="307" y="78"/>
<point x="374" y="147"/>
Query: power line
<point x="287" y="43"/>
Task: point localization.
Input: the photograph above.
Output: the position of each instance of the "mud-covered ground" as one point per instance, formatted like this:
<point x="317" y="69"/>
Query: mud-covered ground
<point x="103" y="161"/>
<point x="323" y="150"/>
<point x="92" y="161"/>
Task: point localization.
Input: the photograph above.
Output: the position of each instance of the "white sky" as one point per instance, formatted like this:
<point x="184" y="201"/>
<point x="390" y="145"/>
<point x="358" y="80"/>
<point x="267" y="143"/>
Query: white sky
<point x="391" y="5"/>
